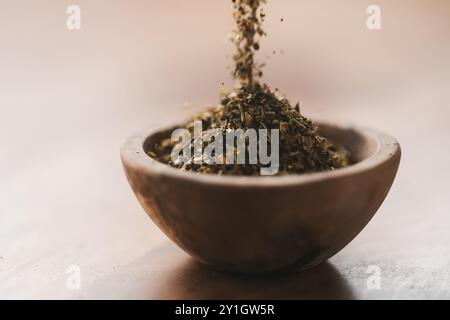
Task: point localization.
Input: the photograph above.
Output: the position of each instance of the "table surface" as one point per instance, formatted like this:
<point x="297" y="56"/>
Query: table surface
<point x="68" y="99"/>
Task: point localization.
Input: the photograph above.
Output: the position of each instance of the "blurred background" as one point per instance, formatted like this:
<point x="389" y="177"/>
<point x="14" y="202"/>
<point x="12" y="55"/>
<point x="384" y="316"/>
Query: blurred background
<point x="68" y="99"/>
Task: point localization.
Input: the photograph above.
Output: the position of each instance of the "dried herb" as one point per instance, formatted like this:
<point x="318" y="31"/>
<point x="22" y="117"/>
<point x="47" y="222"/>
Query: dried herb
<point x="247" y="33"/>
<point x="252" y="105"/>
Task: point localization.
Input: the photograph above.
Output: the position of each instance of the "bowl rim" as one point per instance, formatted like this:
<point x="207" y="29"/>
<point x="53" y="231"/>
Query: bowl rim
<point x="133" y="155"/>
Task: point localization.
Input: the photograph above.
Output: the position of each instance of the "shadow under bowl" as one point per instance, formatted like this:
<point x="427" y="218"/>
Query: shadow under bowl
<point x="258" y="225"/>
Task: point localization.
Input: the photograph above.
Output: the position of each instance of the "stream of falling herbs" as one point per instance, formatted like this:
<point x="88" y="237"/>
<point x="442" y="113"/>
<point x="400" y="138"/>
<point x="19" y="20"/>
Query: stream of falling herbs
<point x="253" y="105"/>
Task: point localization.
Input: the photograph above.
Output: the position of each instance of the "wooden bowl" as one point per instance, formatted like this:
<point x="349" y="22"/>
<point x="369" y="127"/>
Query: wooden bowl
<point x="260" y="225"/>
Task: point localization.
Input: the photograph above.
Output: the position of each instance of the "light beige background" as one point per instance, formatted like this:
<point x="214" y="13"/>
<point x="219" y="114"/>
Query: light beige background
<point x="68" y="99"/>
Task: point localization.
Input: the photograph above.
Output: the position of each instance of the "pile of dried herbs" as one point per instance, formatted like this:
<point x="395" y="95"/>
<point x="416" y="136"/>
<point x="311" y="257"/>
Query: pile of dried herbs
<point x="252" y="105"/>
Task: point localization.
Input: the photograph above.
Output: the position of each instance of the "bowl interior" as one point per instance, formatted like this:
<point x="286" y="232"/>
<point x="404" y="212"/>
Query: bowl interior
<point x="359" y="145"/>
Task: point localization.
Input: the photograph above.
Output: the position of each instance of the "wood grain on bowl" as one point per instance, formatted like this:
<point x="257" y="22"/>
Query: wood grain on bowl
<point x="265" y="224"/>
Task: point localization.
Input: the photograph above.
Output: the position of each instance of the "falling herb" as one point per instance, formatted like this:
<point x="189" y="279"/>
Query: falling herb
<point x="252" y="105"/>
<point x="246" y="38"/>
